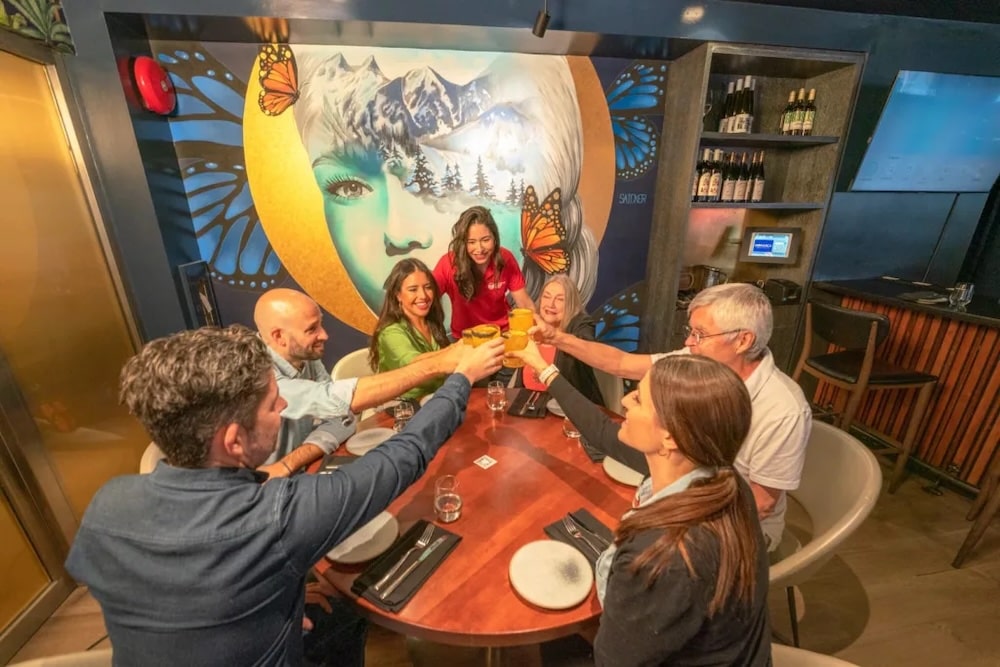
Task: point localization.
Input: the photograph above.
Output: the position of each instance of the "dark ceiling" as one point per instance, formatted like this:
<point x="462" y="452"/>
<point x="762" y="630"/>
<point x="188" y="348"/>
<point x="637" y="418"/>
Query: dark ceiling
<point x="980" y="11"/>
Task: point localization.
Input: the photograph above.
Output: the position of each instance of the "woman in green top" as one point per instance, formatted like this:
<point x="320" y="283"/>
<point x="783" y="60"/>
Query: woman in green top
<point x="411" y="322"/>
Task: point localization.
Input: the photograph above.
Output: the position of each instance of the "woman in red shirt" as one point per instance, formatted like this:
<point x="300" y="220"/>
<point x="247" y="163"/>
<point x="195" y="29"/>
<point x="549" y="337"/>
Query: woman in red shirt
<point x="477" y="273"/>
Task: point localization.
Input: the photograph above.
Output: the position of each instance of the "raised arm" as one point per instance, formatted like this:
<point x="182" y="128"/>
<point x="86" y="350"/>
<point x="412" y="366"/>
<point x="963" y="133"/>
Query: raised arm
<point x="598" y="355"/>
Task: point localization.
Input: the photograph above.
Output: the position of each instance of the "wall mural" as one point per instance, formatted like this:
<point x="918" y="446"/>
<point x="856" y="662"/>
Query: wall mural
<point x="322" y="166"/>
<point x="38" y="19"/>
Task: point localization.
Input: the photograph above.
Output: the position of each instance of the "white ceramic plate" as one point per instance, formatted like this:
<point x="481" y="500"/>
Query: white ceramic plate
<point x="551" y="574"/>
<point x="426" y="398"/>
<point x="369" y="439"/>
<point x="555" y="408"/>
<point x="367" y="542"/>
<point x="620" y="472"/>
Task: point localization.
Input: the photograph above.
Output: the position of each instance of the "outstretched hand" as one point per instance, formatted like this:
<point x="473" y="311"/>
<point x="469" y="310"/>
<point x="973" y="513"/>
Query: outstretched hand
<point x="531" y="355"/>
<point x="543" y="332"/>
<point x="479" y="362"/>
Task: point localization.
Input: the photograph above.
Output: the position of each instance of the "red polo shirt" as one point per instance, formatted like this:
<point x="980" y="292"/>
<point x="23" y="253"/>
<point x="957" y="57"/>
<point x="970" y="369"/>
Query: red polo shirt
<point x="489" y="304"/>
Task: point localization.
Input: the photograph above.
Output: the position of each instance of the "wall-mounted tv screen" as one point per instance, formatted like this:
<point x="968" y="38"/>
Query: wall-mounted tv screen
<point x="770" y="245"/>
<point x="937" y="133"/>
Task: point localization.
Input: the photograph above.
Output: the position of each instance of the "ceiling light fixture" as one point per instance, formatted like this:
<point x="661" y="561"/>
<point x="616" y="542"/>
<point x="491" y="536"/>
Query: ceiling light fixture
<point x="542" y="20"/>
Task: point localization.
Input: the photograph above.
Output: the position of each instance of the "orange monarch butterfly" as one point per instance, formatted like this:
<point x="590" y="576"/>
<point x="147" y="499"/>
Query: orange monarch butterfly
<point x="543" y="236"/>
<point x="279" y="79"/>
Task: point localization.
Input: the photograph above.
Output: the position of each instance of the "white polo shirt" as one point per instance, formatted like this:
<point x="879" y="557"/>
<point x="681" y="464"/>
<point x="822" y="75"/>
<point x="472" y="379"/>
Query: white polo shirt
<point x="775" y="448"/>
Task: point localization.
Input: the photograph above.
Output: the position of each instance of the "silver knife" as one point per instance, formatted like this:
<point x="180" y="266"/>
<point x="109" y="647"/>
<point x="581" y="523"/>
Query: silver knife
<point x="600" y="538"/>
<point x="423" y="556"/>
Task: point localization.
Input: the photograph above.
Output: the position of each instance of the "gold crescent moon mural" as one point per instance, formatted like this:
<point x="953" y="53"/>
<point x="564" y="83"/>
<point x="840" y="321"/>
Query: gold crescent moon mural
<point x="290" y="204"/>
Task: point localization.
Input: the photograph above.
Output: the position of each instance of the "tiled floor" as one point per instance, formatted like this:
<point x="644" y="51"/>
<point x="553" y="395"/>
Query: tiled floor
<point x="889" y="598"/>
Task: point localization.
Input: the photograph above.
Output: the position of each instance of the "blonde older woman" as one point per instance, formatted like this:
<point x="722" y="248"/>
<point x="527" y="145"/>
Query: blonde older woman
<point x="561" y="307"/>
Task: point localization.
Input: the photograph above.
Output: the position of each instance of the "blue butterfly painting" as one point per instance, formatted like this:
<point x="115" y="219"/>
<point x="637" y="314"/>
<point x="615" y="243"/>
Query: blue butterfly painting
<point x="618" y="318"/>
<point x="636" y="93"/>
<point x="211" y="191"/>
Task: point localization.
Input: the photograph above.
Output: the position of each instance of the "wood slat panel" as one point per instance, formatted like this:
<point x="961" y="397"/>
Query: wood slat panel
<point x="962" y="424"/>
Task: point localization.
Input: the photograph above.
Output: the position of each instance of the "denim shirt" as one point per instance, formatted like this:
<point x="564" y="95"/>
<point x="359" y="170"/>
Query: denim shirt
<point x="207" y="566"/>
<point x="319" y="408"/>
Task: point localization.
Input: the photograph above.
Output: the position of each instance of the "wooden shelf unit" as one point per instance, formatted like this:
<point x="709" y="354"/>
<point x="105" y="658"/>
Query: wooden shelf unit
<point x="800" y="174"/>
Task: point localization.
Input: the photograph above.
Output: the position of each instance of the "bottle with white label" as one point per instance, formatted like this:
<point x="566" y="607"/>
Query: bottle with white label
<point x="735" y="110"/>
<point x="727" y="107"/>
<point x="746" y="121"/>
<point x="729" y="174"/>
<point x="799" y="113"/>
<point x="809" y="117"/>
<point x="704" y="175"/>
<point x="786" y="116"/>
<point x="742" y="181"/>
<point x="757" y="185"/>
<point x="715" y="177"/>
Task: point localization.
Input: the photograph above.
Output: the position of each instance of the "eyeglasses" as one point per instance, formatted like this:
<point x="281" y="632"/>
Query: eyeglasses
<point x="699" y="336"/>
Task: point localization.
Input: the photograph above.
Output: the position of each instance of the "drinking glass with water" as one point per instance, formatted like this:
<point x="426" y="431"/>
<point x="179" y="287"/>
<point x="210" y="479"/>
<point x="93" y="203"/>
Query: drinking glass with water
<point x="496" y="396"/>
<point x="447" y="502"/>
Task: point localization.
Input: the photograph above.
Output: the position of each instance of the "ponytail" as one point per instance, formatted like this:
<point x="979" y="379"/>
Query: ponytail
<point x="715" y="505"/>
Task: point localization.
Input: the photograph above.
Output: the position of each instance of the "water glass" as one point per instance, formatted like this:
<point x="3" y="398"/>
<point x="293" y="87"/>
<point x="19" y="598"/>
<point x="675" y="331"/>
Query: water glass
<point x="569" y="430"/>
<point x="402" y="414"/>
<point x="496" y="396"/>
<point x="447" y="502"/>
<point x="960" y="295"/>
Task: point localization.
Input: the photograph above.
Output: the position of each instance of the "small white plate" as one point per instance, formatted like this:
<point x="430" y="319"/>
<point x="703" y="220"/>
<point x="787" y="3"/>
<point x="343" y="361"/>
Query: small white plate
<point x="555" y="408"/>
<point x="620" y="472"/>
<point x="426" y="398"/>
<point x="367" y="440"/>
<point x="367" y="542"/>
<point x="551" y="574"/>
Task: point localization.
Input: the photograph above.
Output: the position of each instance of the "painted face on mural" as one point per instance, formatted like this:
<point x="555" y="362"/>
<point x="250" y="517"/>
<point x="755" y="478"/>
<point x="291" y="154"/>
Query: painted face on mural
<point x="401" y="142"/>
<point x="375" y="220"/>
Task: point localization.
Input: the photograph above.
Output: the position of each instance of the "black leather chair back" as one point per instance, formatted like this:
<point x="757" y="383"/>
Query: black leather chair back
<point x="845" y="327"/>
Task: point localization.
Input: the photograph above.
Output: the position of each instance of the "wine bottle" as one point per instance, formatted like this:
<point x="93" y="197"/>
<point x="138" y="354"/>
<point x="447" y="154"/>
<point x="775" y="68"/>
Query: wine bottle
<point x="786" y="116"/>
<point x="729" y="174"/>
<point x="698" y="166"/>
<point x="727" y="108"/>
<point x="757" y="190"/>
<point x="737" y="101"/>
<point x="809" y="117"/>
<point x="799" y="113"/>
<point x="704" y="174"/>
<point x="742" y="180"/>
<point x="746" y="114"/>
<point x="715" y="176"/>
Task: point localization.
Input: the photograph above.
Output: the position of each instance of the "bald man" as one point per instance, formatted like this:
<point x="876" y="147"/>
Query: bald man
<point x="319" y="413"/>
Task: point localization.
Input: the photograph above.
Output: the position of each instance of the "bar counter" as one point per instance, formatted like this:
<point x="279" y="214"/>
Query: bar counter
<point x="961" y="431"/>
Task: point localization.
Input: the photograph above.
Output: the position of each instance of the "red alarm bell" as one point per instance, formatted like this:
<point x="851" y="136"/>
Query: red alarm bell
<point x="155" y="89"/>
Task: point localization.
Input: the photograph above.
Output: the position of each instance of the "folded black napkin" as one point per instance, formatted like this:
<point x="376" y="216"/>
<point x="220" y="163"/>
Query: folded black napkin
<point x="590" y="527"/>
<point x="519" y="406"/>
<point x="363" y="585"/>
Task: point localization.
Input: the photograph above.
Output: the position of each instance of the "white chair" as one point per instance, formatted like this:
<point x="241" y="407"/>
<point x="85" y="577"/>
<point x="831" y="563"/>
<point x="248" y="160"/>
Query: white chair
<point x="96" y="658"/>
<point x="788" y="656"/>
<point x="352" y="365"/>
<point x="840" y="483"/>
<point x="612" y="389"/>
<point x="150" y="458"/>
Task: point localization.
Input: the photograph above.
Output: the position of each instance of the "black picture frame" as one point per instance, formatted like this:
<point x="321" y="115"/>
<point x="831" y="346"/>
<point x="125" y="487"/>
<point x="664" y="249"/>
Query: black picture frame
<point x="200" y="307"/>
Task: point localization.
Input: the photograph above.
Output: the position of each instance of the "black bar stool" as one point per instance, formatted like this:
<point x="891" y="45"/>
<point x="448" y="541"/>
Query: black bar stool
<point x="855" y="369"/>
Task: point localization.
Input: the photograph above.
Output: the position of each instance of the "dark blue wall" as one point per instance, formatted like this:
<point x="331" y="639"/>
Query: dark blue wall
<point x="892" y="44"/>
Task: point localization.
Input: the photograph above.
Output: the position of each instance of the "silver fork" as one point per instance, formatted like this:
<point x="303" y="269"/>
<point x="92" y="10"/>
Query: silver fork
<point x="577" y="534"/>
<point x="425" y="538"/>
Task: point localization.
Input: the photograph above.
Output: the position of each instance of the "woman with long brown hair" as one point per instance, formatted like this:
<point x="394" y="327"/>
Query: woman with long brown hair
<point x="411" y="323"/>
<point x="477" y="273"/>
<point x="684" y="581"/>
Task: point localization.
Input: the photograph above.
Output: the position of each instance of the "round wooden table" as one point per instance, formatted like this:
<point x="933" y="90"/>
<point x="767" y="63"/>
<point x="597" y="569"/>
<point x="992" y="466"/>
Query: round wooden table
<point x="539" y="476"/>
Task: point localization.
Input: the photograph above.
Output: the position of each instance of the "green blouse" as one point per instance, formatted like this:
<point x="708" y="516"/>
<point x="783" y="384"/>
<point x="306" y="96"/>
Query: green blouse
<point x="398" y="345"/>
